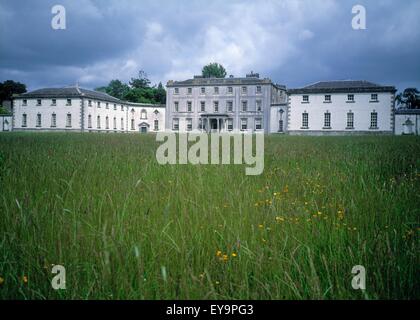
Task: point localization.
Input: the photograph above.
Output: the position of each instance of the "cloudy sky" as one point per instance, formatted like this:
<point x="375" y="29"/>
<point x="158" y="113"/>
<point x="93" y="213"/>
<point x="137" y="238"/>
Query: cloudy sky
<point x="292" y="42"/>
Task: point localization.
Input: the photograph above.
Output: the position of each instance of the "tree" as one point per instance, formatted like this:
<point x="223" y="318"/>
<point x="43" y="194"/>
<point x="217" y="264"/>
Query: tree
<point x="213" y="70"/>
<point x="410" y="98"/>
<point x="3" y="110"/>
<point x="160" y="94"/>
<point x="141" y="81"/>
<point x="9" y="87"/>
<point x="115" y="88"/>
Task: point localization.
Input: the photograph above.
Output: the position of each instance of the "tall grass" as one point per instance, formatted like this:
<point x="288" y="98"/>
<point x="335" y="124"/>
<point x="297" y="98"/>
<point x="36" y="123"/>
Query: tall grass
<point x="126" y="227"/>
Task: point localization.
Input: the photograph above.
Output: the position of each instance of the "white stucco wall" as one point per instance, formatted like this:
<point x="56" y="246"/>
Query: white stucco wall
<point x="339" y="107"/>
<point x="46" y="109"/>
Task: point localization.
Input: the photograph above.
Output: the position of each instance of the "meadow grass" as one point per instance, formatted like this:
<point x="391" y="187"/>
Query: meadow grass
<point x="126" y="227"/>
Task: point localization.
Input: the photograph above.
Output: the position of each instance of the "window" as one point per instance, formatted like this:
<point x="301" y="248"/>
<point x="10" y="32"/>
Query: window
<point x="259" y="105"/>
<point x="24" y="120"/>
<point x="122" y="123"/>
<point x="244" y="124"/>
<point x="38" y="102"/>
<point x="115" y="106"/>
<point x="98" y="122"/>
<point x="244" y="90"/>
<point x="156" y="125"/>
<point x="176" y="91"/>
<point x="327" y="120"/>
<point x="143" y="114"/>
<point x="281" y="126"/>
<point x="53" y="120"/>
<point x="216" y="106"/>
<point x="216" y="90"/>
<point x="54" y="102"/>
<point x="200" y="124"/>
<point x="189" y="90"/>
<point x="106" y="122"/>
<point x="229" y="106"/>
<point x="327" y="98"/>
<point x="38" y="120"/>
<point x="68" y="120"/>
<point x="189" y="124"/>
<point x="230" y="124"/>
<point x="122" y="108"/>
<point x="189" y="106"/>
<point x="89" y="103"/>
<point x="350" y="120"/>
<point x="24" y="102"/>
<point x="258" y="90"/>
<point x="258" y="124"/>
<point x="132" y="124"/>
<point x="244" y="106"/>
<point x="230" y="90"/>
<point x="305" y="120"/>
<point x="202" y="106"/>
<point x="203" y="90"/>
<point x="89" y="121"/>
<point x="115" y="123"/>
<point x="107" y="105"/>
<point x="374" y="120"/>
<point x="99" y="104"/>
<point x="68" y="102"/>
<point x="350" y="98"/>
<point x="175" y="124"/>
<point x="305" y="99"/>
<point x="374" y="97"/>
<point x="176" y="106"/>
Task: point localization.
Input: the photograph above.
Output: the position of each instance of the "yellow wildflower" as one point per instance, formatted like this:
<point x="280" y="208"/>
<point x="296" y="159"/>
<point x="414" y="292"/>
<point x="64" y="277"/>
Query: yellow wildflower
<point x="218" y="253"/>
<point x="234" y="254"/>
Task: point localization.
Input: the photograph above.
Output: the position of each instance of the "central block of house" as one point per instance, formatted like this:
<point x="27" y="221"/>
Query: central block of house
<point x="231" y="104"/>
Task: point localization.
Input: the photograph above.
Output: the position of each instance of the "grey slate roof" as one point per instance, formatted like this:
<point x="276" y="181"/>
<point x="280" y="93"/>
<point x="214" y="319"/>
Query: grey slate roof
<point x="343" y="86"/>
<point x="69" y="92"/>
<point x="219" y="82"/>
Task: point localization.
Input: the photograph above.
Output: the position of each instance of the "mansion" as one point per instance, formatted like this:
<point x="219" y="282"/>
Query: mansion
<point x="247" y="104"/>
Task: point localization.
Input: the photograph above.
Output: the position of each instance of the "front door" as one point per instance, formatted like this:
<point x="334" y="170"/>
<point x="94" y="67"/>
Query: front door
<point x="213" y="124"/>
<point x="143" y="129"/>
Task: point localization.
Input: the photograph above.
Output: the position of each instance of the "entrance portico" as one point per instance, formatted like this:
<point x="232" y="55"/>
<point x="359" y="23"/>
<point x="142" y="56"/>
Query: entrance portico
<point x="213" y="122"/>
